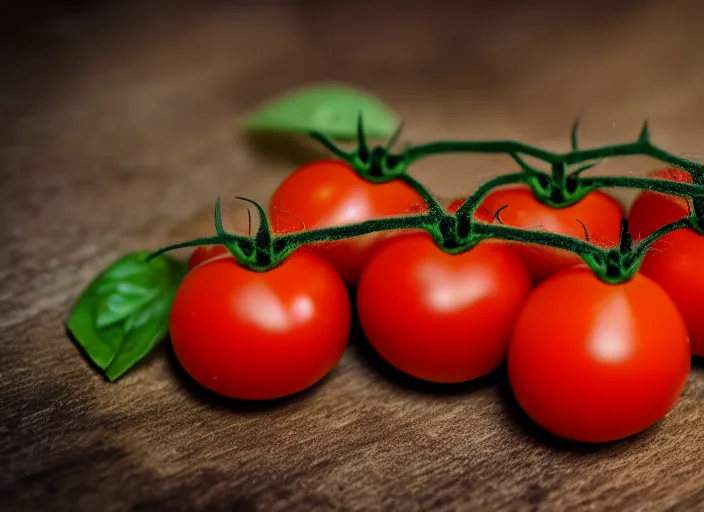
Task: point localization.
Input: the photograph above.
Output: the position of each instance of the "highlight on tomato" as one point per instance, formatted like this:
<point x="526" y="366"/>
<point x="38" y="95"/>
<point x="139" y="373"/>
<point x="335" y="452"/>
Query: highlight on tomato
<point x="261" y="335"/>
<point x="440" y="317"/>
<point x="674" y="261"/>
<point x="597" y="217"/>
<point x="330" y="193"/>
<point x="596" y="362"/>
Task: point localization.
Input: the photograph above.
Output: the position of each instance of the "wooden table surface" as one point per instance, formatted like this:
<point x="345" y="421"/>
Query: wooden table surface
<point x="117" y="132"/>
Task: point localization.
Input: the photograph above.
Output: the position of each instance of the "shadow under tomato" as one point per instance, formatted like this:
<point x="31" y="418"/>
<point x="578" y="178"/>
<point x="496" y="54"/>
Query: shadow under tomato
<point x="520" y="420"/>
<point x="203" y="394"/>
<point x="289" y="148"/>
<point x="369" y="356"/>
<point x="697" y="362"/>
<point x="498" y="379"/>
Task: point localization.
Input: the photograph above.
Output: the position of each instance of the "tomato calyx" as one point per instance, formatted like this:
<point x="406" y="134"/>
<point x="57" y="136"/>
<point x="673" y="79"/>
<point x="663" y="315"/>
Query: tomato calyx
<point x="616" y="265"/>
<point x="621" y="263"/>
<point x="375" y="164"/>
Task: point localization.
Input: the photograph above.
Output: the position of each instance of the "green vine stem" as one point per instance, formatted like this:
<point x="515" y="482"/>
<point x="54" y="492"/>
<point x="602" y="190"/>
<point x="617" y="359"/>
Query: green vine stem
<point x="562" y="186"/>
<point x="697" y="205"/>
<point x="459" y="232"/>
<point x="265" y="251"/>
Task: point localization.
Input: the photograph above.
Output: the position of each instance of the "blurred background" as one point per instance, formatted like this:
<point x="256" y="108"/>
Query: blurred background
<point x="140" y="99"/>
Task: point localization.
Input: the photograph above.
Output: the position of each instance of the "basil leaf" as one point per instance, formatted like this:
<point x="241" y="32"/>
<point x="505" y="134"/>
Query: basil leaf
<point x="124" y="313"/>
<point x="332" y="110"/>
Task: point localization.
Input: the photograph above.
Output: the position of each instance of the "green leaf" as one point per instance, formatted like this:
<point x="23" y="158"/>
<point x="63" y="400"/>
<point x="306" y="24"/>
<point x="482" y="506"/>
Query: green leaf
<point x="330" y="109"/>
<point x="124" y="312"/>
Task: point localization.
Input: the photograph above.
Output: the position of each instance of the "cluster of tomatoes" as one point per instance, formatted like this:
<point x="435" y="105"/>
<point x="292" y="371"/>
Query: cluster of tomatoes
<point x="587" y="360"/>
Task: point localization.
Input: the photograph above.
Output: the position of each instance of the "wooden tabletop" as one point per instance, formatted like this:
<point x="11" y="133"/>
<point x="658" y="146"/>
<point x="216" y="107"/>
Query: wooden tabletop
<point x="117" y="131"/>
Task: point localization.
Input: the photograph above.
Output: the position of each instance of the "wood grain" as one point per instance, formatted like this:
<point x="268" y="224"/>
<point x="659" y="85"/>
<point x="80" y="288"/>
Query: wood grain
<point x="118" y="132"/>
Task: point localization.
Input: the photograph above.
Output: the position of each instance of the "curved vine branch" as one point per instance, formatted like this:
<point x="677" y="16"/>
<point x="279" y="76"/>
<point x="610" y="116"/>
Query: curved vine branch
<point x="455" y="233"/>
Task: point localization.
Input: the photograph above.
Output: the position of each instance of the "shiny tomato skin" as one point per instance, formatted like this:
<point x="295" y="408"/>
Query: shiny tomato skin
<point x="675" y="263"/>
<point x="260" y="335"/>
<point x="652" y="210"/>
<point x="330" y="193"/>
<point x="594" y="362"/>
<point x="600" y="213"/>
<point x="440" y="317"/>
<point x="204" y="253"/>
<point x="674" y="260"/>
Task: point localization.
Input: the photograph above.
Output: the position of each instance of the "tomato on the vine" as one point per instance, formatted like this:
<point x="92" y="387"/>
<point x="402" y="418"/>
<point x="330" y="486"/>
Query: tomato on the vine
<point x="207" y="252"/>
<point x="674" y="260"/>
<point x="436" y="316"/>
<point x="652" y="210"/>
<point x="596" y="362"/>
<point x="260" y="335"/>
<point x="598" y="214"/>
<point x="675" y="263"/>
<point x="330" y="193"/>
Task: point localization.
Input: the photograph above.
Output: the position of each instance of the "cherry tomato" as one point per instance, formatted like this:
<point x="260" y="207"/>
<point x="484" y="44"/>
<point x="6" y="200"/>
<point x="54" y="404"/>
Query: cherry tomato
<point x="440" y="317"/>
<point x="675" y="263"/>
<point x="652" y="210"/>
<point x="595" y="362"/>
<point x="674" y="260"/>
<point x="330" y="193"/>
<point x="205" y="253"/>
<point x="600" y="214"/>
<point x="260" y="335"/>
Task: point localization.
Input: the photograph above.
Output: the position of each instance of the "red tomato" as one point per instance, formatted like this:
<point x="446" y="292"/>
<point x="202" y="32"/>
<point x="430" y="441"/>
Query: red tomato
<point x="675" y="263"/>
<point x="330" y="193"/>
<point x="600" y="214"/>
<point x="206" y="253"/>
<point x="652" y="210"/>
<point x="674" y="260"/>
<point x="260" y="335"/>
<point x="441" y="317"/>
<point x="594" y="362"/>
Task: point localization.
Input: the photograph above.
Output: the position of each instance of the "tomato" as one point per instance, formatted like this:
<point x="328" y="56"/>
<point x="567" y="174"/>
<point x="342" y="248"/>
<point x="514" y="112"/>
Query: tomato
<point x="600" y="214"/>
<point x="440" y="317"/>
<point x="595" y="362"/>
<point x="260" y="335"/>
<point x="674" y="262"/>
<point x="205" y="253"/>
<point x="652" y="210"/>
<point x="330" y="193"/>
